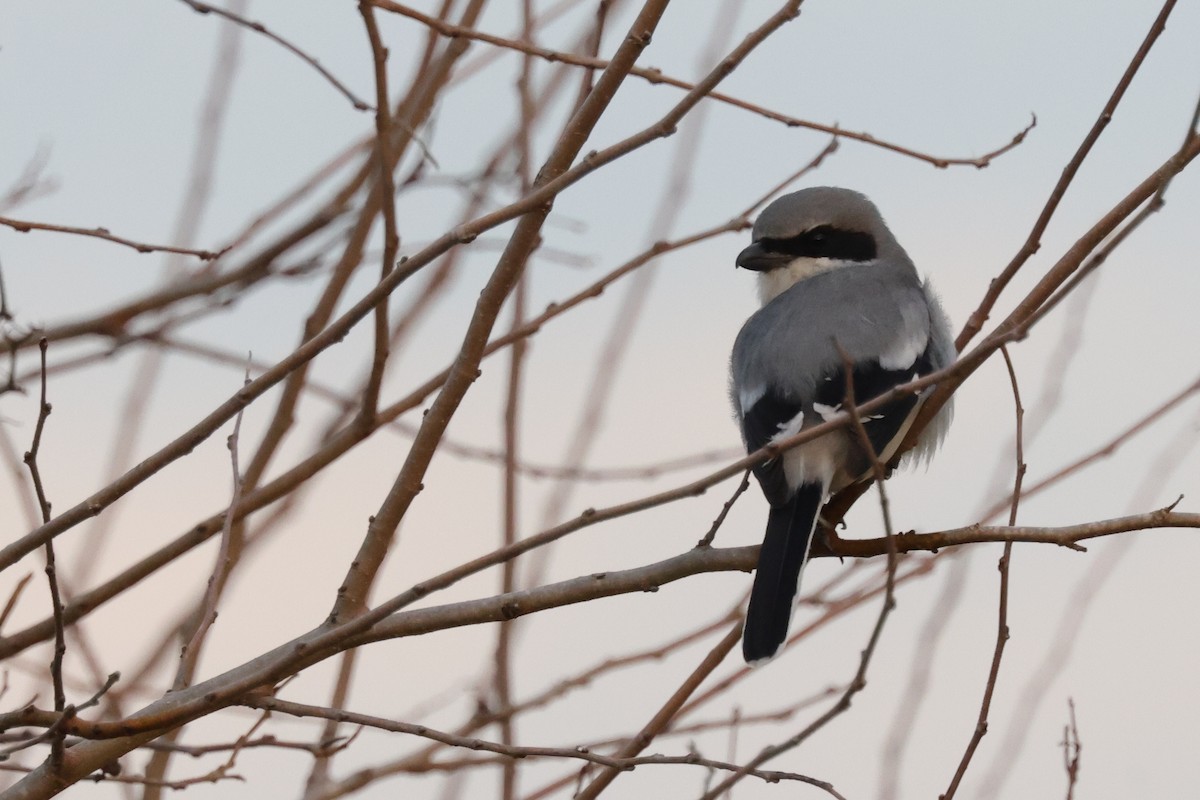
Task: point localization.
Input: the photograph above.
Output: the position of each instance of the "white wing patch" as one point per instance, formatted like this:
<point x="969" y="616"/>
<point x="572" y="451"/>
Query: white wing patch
<point x="903" y="352"/>
<point x="911" y="340"/>
<point x="827" y="412"/>
<point x="750" y="395"/>
<point x="789" y="428"/>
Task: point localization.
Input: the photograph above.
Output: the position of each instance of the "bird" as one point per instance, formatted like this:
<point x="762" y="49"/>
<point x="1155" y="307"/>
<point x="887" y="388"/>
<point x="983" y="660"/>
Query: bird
<point x="836" y="289"/>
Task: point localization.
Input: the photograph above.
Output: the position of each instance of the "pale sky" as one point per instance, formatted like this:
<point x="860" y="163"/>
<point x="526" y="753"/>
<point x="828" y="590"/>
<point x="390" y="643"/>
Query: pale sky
<point x="110" y="93"/>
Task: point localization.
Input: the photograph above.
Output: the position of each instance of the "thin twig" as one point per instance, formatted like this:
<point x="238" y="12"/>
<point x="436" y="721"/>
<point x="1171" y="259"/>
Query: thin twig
<point x="1106" y="449"/>
<point x="1068" y="536"/>
<point x="712" y="531"/>
<point x="1018" y="323"/>
<point x="725" y="723"/>
<point x="14" y="597"/>
<point x="616" y="763"/>
<point x="25" y="226"/>
<point x="1072" y="748"/>
<point x="60" y="641"/>
<point x="387" y="188"/>
<point x="30" y="184"/>
<point x="1002" y="630"/>
<point x="878" y="468"/>
<point x="1073" y="618"/>
<point x="57" y="723"/>
<point x="190" y="655"/>
<point x="5" y="311"/>
<point x="1118" y="238"/>
<point x="655" y="76"/>
<point x="1034" y="241"/>
<point x="270" y="377"/>
<point x="616" y="345"/>
<point x="352" y="594"/>
<point x="318" y="776"/>
<point x="856" y="685"/>
<point x="258" y="27"/>
<point x="503" y="656"/>
<point x="667" y="712"/>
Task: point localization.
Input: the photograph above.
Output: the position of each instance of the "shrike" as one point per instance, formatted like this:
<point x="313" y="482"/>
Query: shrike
<point x="835" y="285"/>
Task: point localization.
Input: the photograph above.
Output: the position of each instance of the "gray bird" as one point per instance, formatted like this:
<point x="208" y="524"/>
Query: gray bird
<point x="834" y="284"/>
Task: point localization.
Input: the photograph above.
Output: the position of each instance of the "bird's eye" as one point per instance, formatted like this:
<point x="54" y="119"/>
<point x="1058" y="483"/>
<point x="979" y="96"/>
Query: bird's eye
<point x="819" y="235"/>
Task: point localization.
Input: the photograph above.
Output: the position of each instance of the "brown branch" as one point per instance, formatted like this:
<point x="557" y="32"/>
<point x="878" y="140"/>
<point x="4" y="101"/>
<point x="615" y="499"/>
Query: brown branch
<point x="669" y="710"/>
<point x="856" y="685"/>
<point x="258" y="27"/>
<point x="906" y="542"/>
<point x="318" y="776"/>
<point x="712" y="531"/>
<point x="1034" y="241"/>
<point x="616" y="343"/>
<point x="387" y="188"/>
<point x="424" y="731"/>
<point x="781" y="715"/>
<point x="423" y="760"/>
<point x="1118" y="238"/>
<point x="1002" y="630"/>
<point x="60" y="640"/>
<point x="30" y="184"/>
<point x="450" y="446"/>
<point x="1019" y="322"/>
<point x="189" y="657"/>
<point x="158" y="783"/>
<point x="655" y="76"/>
<point x="1067" y="536"/>
<point x="352" y="595"/>
<point x="502" y="659"/>
<point x="56" y="723"/>
<point x="25" y="226"/>
<point x="616" y="763"/>
<point x="1071" y="750"/>
<point x="330" y="335"/>
<point x="114" y="322"/>
<point x="313" y="647"/>
<point x="11" y="603"/>
<point x="1105" y="450"/>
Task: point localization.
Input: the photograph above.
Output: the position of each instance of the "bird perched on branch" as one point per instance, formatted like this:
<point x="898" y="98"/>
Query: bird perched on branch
<point x="836" y="290"/>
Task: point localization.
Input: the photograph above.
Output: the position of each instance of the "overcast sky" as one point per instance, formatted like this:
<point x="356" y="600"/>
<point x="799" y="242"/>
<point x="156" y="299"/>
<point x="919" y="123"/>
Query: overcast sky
<point x="110" y="93"/>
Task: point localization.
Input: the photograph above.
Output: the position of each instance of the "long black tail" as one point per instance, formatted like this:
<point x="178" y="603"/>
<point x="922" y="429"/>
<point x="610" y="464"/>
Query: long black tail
<point x="784" y="550"/>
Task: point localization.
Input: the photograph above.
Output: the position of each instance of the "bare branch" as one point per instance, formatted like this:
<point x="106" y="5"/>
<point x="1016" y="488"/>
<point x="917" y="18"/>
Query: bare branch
<point x="665" y="714"/>
<point x="25" y="226"/>
<point x="1071" y="750"/>
<point x="1002" y="631"/>
<point x="1034" y="241"/>
<point x="656" y="76"/>
<point x="60" y="641"/>
<point x="258" y="27"/>
<point x="189" y="657"/>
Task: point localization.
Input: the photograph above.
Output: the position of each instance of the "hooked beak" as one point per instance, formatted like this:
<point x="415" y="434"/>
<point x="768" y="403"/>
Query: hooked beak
<point x="759" y="259"/>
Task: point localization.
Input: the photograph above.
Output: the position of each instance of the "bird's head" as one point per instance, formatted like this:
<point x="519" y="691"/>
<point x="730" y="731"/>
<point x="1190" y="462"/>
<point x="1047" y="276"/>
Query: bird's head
<point x="811" y="231"/>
